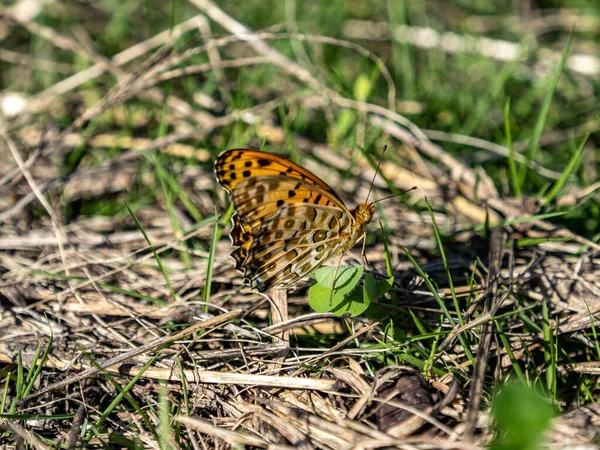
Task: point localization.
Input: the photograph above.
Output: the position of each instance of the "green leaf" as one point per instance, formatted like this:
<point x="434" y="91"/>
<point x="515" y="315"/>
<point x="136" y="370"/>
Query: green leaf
<point x="321" y="300"/>
<point x="362" y="88"/>
<point x="383" y="286"/>
<point x="375" y="312"/>
<point x="346" y="279"/>
<point x="354" y="304"/>
<point x="345" y="298"/>
<point x="521" y="418"/>
<point x="375" y="289"/>
<point x="370" y="288"/>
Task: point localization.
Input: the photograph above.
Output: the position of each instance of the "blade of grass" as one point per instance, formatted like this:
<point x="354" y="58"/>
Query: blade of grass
<point x="528" y="320"/>
<point x="432" y="355"/>
<point x="39" y="365"/>
<point x="289" y="136"/>
<point x="537" y="241"/>
<point x="210" y="263"/>
<point x="20" y="382"/>
<point x="160" y="173"/>
<point x="573" y="162"/>
<point x="110" y="287"/>
<point x="388" y="263"/>
<point x="156" y="256"/>
<point x="539" y="126"/>
<point x="36" y="355"/>
<point x="438" y="239"/>
<point x="131" y="400"/>
<point x="121" y="395"/>
<point x="184" y="388"/>
<point x="548" y="346"/>
<point x="522" y="220"/>
<point x="163" y="416"/>
<point x="513" y="360"/>
<point x="402" y="53"/>
<point x="5" y="394"/>
<point x="512" y="167"/>
<point x="487" y="101"/>
<point x="594" y="333"/>
<point x="555" y="349"/>
<point x="437" y="297"/>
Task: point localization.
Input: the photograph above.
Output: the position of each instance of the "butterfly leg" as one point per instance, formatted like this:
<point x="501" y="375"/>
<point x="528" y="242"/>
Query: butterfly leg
<point x="337" y="266"/>
<point x="363" y="253"/>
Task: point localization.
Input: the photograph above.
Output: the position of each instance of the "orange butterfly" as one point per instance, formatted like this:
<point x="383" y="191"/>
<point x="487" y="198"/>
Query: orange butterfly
<point x="288" y="221"/>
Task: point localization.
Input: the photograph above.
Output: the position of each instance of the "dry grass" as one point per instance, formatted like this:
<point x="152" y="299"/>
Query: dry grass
<point x="135" y="357"/>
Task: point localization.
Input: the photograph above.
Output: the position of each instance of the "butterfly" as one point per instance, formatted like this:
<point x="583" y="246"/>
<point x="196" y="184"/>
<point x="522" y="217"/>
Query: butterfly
<point x="287" y="221"/>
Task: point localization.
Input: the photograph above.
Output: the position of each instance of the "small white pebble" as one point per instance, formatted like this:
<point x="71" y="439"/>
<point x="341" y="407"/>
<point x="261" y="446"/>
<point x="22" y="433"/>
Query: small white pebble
<point x="584" y="64"/>
<point x="12" y="104"/>
<point x="27" y="10"/>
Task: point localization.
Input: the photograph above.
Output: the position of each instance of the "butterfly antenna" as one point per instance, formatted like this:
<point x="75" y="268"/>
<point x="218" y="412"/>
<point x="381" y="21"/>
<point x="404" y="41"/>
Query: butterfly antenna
<point x="395" y="195"/>
<point x="376" y="172"/>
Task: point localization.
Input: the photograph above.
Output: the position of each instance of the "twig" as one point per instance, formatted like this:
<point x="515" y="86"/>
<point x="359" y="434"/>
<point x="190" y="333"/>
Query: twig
<point x="218" y="320"/>
<point x="490" y="305"/>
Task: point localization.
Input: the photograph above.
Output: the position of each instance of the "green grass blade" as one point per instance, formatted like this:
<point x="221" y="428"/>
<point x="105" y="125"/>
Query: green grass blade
<point x="210" y="263"/>
<point x="436" y="295"/>
<point x="438" y="239"/>
<point x="162" y="176"/>
<point x="562" y="181"/>
<point x="388" y="262"/>
<point x="513" y="360"/>
<point x="121" y="395"/>
<point x="523" y="220"/>
<point x="126" y="395"/>
<point x="36" y="355"/>
<point x="539" y="126"/>
<point x="549" y="347"/>
<point x="156" y="256"/>
<point x="402" y="53"/>
<point x="512" y="167"/>
<point x="39" y="365"/>
<point x="4" y="394"/>
<point x="594" y="332"/>
<point x="487" y="101"/>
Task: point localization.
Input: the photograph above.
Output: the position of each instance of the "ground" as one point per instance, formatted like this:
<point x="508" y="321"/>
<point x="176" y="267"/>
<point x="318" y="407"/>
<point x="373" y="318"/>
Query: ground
<point x="123" y="323"/>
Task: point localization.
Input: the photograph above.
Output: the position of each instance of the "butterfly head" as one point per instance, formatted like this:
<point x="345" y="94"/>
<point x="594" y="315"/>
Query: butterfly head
<point x="363" y="213"/>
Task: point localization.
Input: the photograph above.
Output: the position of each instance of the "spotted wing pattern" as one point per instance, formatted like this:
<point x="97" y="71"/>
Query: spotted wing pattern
<point x="287" y="220"/>
<point x="233" y="166"/>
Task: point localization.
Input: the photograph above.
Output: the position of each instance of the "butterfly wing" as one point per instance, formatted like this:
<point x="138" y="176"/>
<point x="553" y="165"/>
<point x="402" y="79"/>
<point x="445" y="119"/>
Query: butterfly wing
<point x="285" y="225"/>
<point x="234" y="166"/>
<point x="289" y="242"/>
